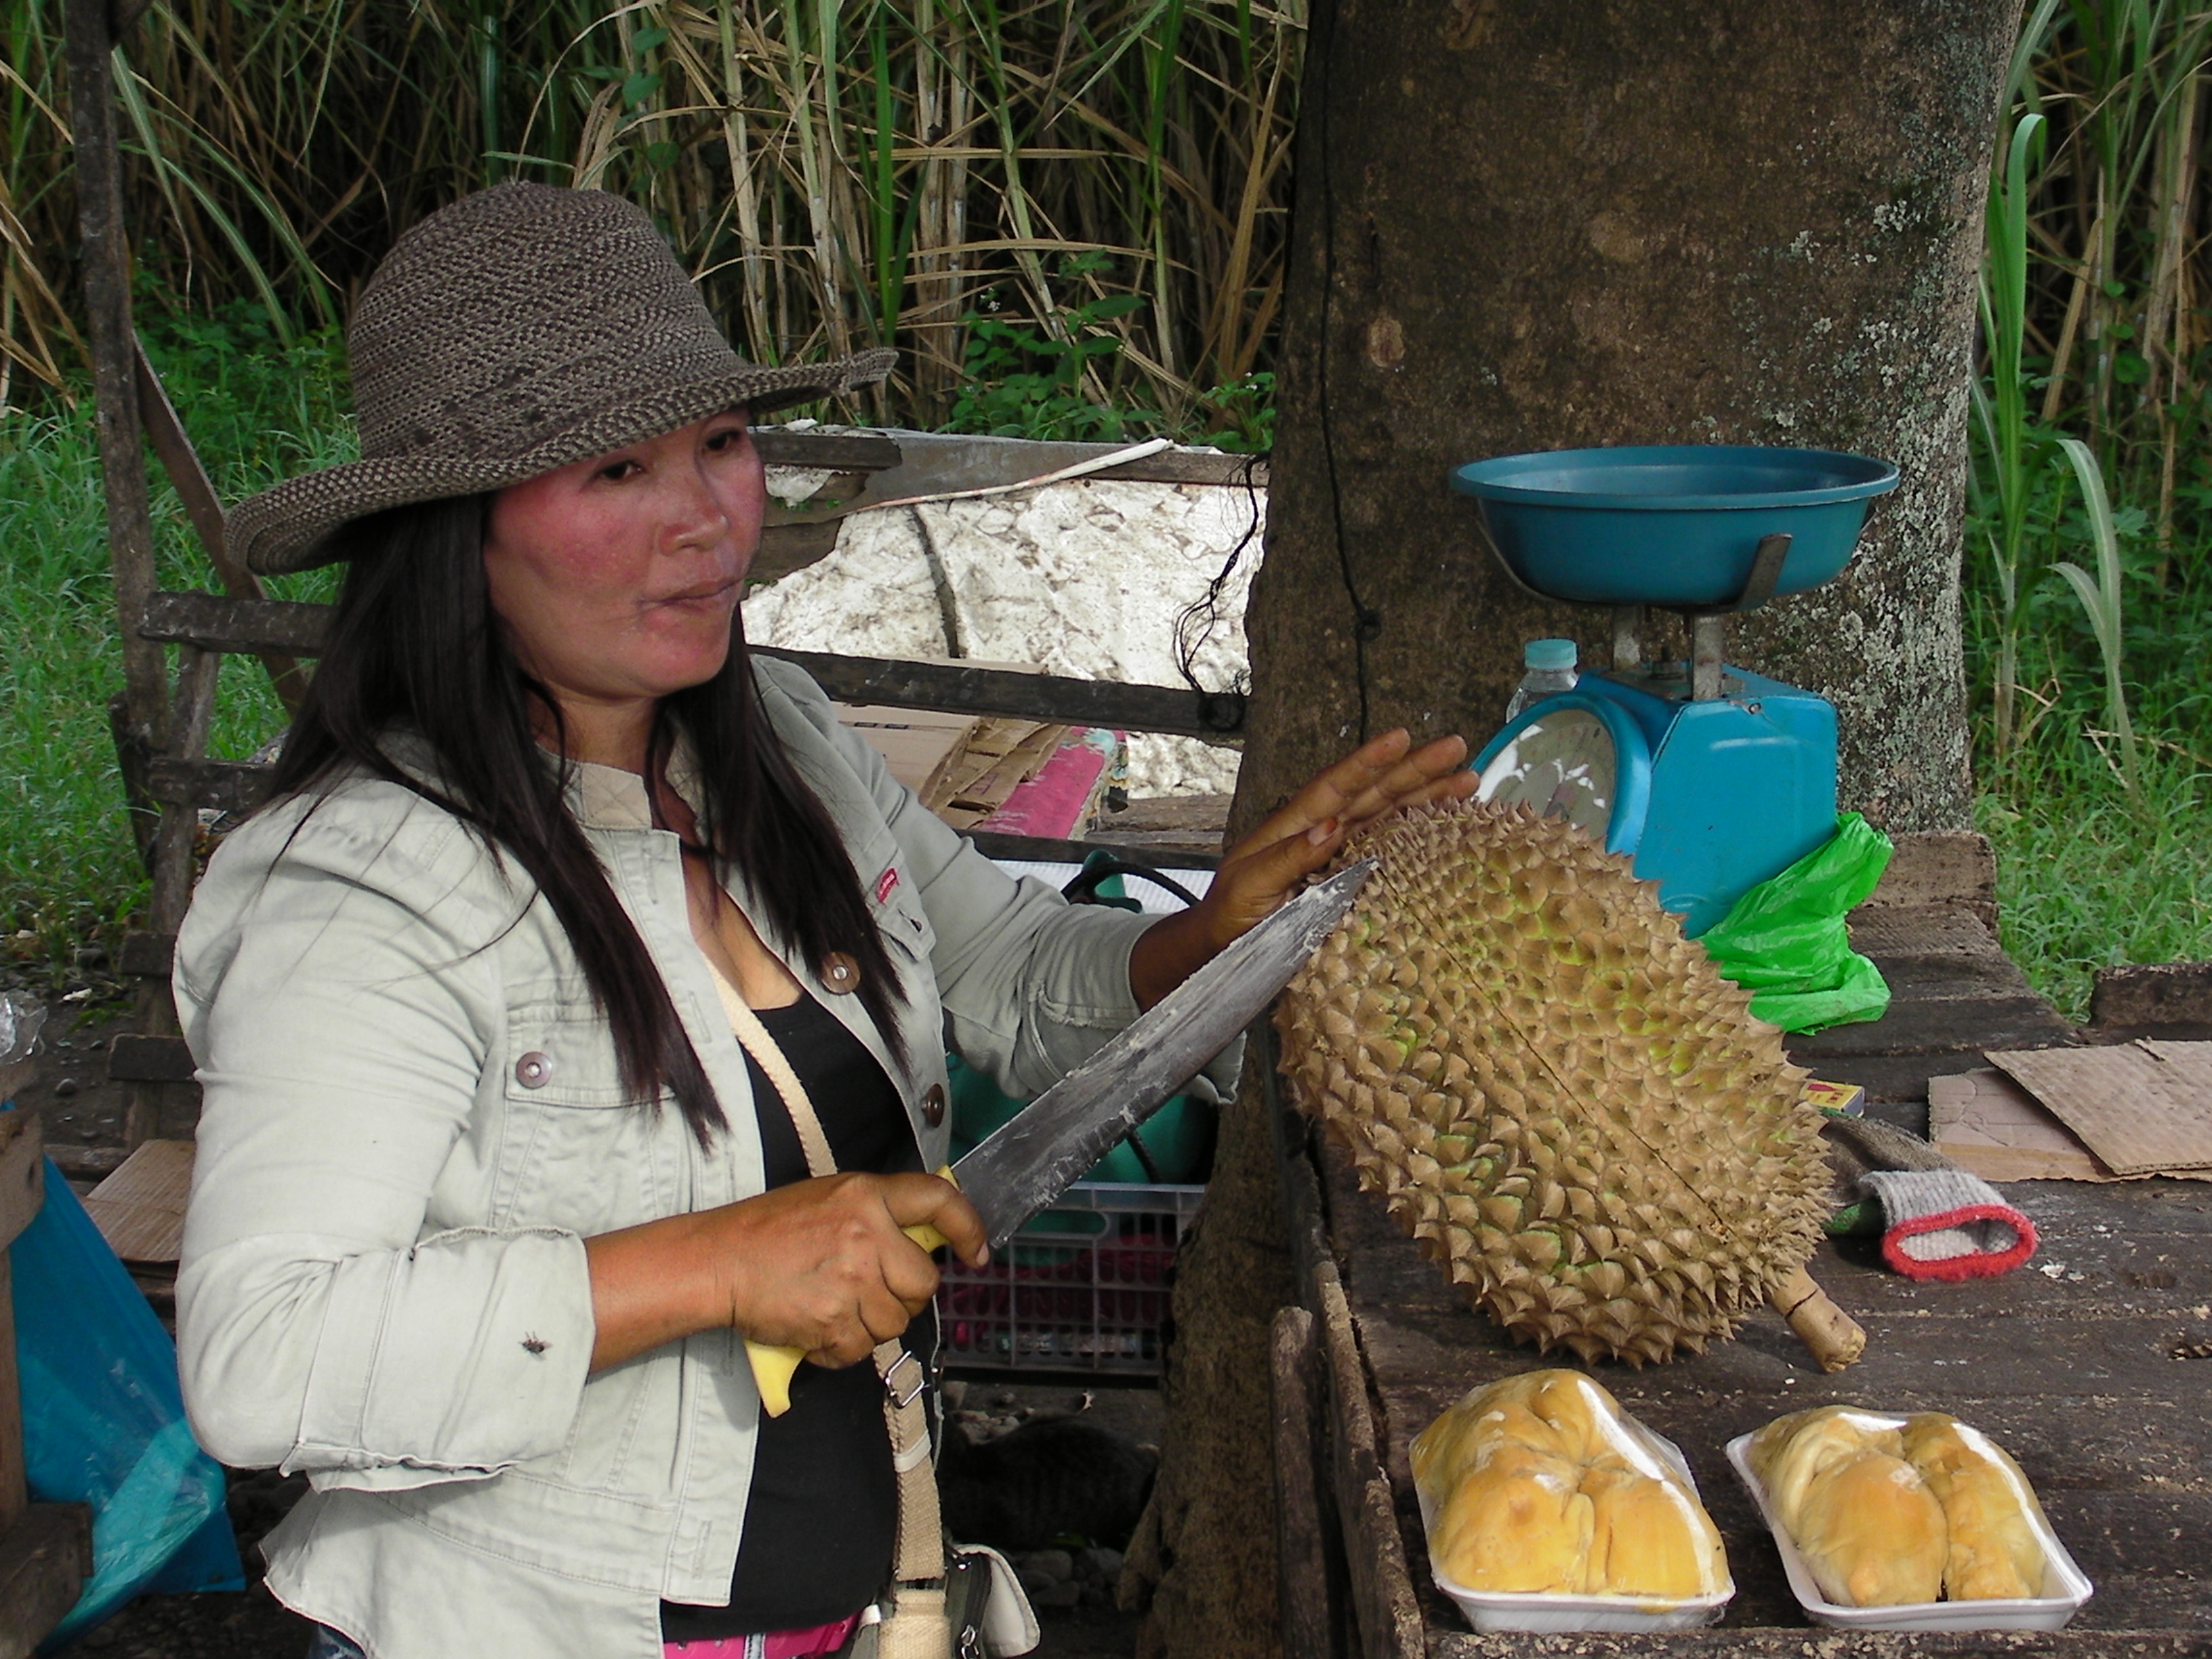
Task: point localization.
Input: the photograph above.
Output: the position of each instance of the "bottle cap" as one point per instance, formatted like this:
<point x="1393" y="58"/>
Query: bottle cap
<point x="1549" y="654"/>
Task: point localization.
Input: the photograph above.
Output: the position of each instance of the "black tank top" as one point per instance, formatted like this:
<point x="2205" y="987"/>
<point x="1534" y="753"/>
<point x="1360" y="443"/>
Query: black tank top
<point x="822" y="1516"/>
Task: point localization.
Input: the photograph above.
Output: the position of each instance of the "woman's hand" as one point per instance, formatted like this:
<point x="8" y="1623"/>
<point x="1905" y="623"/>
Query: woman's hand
<point x="1268" y="866"/>
<point x="823" y="1266"/>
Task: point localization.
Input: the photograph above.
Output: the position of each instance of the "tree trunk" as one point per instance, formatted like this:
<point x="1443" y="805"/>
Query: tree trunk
<point x="1538" y="227"/>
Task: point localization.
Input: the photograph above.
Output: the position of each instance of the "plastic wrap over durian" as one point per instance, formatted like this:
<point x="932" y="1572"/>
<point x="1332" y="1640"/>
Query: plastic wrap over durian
<point x="1555" y="1093"/>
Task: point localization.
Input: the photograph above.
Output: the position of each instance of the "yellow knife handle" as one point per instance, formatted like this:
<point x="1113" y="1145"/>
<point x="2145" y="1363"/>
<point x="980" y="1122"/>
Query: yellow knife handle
<point x="775" y="1367"/>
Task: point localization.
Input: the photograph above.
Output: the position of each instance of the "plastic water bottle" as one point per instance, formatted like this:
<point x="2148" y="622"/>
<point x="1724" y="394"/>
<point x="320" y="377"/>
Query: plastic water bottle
<point x="1551" y="666"/>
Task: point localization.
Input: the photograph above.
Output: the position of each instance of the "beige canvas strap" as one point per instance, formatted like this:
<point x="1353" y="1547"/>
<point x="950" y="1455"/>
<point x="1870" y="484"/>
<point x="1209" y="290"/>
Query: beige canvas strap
<point x="921" y="1551"/>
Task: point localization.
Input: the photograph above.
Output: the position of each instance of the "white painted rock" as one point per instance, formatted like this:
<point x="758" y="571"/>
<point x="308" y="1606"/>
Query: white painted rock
<point x="1082" y="578"/>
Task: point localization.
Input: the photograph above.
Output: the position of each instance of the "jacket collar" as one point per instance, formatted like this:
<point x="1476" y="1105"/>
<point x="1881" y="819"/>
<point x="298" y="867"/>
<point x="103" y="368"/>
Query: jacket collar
<point x="599" y="797"/>
<point x="609" y="798"/>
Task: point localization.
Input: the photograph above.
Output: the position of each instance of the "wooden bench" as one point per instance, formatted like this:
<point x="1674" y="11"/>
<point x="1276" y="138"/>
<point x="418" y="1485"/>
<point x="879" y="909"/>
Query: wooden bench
<point x="2085" y="1371"/>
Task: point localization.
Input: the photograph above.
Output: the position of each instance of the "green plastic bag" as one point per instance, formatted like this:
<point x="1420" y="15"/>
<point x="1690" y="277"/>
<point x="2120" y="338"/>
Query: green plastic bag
<point x="1785" y="942"/>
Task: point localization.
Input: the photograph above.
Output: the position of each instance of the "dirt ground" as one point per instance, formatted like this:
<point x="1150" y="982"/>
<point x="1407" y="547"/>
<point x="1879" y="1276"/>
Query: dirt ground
<point x="81" y="1117"/>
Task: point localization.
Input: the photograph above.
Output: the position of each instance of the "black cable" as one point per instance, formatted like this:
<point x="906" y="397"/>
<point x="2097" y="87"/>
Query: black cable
<point x="1190" y="636"/>
<point x="1367" y="623"/>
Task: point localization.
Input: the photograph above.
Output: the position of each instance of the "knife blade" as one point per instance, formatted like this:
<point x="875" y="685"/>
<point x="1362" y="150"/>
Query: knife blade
<point x="1029" y="1161"/>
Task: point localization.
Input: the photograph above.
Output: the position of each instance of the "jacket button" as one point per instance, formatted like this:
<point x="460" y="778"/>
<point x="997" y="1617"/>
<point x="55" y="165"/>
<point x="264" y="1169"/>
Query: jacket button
<point x="932" y="1105"/>
<point x="534" y="1069"/>
<point x="840" y="973"/>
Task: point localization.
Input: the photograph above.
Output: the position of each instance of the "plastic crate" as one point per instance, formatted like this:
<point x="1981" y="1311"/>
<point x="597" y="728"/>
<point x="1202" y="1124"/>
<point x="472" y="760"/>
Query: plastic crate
<point x="1083" y="1287"/>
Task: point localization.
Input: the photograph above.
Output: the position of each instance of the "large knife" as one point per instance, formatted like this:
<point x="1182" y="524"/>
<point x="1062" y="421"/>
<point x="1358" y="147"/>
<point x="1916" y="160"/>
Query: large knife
<point x="1029" y="1161"/>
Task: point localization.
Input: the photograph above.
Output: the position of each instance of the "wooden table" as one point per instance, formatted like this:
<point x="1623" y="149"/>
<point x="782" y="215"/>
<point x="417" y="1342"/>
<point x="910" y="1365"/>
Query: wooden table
<point x="2093" y="1365"/>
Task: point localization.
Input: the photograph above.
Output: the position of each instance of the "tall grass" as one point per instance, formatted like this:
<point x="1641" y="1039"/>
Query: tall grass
<point x="257" y="411"/>
<point x="2089" y="574"/>
<point x="835" y="174"/>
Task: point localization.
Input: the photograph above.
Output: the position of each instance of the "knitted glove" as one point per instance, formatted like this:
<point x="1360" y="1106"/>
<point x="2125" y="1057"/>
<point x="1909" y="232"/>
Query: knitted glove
<point x="1946" y="1224"/>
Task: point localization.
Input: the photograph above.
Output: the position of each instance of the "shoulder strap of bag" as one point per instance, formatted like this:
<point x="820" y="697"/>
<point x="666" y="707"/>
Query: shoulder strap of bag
<point x="920" y="1552"/>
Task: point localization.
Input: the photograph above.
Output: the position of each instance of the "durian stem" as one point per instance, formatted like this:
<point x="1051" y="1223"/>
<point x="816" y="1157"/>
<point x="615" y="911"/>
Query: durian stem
<point x="1832" y="1337"/>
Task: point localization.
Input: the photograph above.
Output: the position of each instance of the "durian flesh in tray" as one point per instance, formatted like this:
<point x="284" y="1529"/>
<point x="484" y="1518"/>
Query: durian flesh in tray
<point x="1542" y="1485"/>
<point x="1555" y="1093"/>
<point x="1887" y="1510"/>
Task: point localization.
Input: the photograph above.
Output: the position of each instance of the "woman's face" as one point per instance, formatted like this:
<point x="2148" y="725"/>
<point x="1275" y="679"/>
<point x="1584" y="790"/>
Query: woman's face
<point x="617" y="576"/>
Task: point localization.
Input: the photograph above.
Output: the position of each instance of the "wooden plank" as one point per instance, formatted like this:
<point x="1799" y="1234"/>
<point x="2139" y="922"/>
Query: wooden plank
<point x="1217" y="716"/>
<point x="1307" y="1563"/>
<point x="1383" y="1604"/>
<point x="1041" y="849"/>
<point x="2098" y="1393"/>
<point x="22" y="1173"/>
<point x="106" y="270"/>
<point x="135" y="1058"/>
<point x="785" y="548"/>
<point x="202" y="506"/>
<point x="213" y="785"/>
<point x="147" y="955"/>
<point x="44" y="1559"/>
<point x="1898" y="931"/>
<point x="23" y="1190"/>
<point x="1940" y="867"/>
<point x="140" y="1208"/>
<point x="934" y="462"/>
<point x="831" y="452"/>
<point x="1929" y="1026"/>
<point x="2153" y="996"/>
<point x="253" y="625"/>
<point x="14" y="1488"/>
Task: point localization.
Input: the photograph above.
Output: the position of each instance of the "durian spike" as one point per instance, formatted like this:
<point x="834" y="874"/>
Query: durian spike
<point x="1834" y="1338"/>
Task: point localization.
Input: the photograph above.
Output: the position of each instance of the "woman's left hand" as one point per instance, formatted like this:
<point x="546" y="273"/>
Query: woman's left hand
<point x="1265" y="868"/>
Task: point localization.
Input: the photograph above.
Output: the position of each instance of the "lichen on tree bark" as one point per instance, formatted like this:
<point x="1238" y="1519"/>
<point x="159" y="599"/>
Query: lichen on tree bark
<point x="1521" y="227"/>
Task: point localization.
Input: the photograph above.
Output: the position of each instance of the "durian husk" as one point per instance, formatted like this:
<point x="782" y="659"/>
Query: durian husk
<point x="1555" y="1092"/>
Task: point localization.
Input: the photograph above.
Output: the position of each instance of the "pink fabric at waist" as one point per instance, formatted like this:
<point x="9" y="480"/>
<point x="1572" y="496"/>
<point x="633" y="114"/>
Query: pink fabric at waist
<point x="775" y="1644"/>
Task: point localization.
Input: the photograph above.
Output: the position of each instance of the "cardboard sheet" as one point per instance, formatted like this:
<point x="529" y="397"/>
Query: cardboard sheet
<point x="921" y="746"/>
<point x="1986" y="1123"/>
<point x="140" y="1208"/>
<point x="2143" y="1108"/>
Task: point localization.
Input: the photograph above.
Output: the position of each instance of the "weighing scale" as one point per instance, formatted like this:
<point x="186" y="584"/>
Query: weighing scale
<point x="1712" y="778"/>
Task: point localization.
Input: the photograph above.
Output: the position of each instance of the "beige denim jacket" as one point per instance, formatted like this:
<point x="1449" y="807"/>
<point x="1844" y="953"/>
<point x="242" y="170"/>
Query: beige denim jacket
<point x="413" y="1120"/>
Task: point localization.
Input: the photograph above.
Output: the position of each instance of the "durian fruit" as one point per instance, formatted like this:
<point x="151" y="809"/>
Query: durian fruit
<point x="1557" y="1094"/>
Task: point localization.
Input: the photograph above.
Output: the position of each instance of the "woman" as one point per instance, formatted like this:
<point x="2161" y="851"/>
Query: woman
<point x="578" y="1010"/>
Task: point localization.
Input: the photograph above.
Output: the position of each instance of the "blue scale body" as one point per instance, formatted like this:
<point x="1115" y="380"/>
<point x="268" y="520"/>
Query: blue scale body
<point x="1710" y="797"/>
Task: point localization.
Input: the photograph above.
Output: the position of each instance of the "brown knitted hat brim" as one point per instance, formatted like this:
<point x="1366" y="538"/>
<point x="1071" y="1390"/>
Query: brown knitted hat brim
<point x="522" y="329"/>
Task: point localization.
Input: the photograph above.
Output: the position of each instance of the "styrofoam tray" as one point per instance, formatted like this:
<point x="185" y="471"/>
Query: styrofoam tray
<point x="2065" y="1586"/>
<point x="1496" y="1610"/>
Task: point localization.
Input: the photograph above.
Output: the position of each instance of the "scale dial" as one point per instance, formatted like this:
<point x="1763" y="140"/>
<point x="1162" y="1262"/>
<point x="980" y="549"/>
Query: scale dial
<point x="1564" y="763"/>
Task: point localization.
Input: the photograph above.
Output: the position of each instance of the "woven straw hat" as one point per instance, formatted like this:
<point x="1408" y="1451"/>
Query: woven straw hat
<point x="519" y="329"/>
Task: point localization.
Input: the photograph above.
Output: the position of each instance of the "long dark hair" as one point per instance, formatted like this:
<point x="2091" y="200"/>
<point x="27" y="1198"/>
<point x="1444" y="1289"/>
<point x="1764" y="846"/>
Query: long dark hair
<point x="415" y="647"/>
